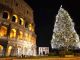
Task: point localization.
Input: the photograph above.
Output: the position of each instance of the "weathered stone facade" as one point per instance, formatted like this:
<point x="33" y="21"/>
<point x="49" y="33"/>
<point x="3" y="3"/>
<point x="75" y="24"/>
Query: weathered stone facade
<point x="17" y="34"/>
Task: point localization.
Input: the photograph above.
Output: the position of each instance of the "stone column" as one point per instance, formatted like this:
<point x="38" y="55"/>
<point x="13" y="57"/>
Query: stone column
<point x="34" y="51"/>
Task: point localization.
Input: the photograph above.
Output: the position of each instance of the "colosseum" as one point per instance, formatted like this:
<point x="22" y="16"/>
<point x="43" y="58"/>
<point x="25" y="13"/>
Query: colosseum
<point x="17" y="29"/>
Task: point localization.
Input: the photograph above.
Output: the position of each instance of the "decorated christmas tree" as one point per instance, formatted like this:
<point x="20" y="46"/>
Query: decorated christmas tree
<point x="64" y="34"/>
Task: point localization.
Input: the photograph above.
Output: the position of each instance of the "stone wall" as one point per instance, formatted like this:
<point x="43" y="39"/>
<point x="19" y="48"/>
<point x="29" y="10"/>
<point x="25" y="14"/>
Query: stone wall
<point x="20" y="8"/>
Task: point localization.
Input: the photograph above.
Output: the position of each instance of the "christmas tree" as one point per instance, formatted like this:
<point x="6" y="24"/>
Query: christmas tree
<point x="64" y="34"/>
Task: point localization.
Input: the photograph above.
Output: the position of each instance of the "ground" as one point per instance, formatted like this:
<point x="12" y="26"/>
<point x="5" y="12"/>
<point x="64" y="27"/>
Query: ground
<point x="44" y="58"/>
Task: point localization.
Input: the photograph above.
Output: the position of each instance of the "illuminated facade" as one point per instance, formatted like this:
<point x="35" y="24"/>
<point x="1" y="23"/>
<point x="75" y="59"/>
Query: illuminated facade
<point x="43" y="51"/>
<point x="17" y="34"/>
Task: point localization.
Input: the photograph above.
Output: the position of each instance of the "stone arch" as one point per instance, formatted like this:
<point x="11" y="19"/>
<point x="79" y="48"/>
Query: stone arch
<point x="1" y="50"/>
<point x="29" y="37"/>
<point x="3" y="31"/>
<point x="19" y="50"/>
<point x="20" y="36"/>
<point x="14" y="18"/>
<point x="9" y="50"/>
<point x="26" y="24"/>
<point x="30" y="27"/>
<point x="13" y="33"/>
<point x="26" y="36"/>
<point x="21" y="22"/>
<point x="5" y="15"/>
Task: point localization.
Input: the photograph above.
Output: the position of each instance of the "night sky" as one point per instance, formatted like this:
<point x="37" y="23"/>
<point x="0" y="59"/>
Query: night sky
<point x="44" y="16"/>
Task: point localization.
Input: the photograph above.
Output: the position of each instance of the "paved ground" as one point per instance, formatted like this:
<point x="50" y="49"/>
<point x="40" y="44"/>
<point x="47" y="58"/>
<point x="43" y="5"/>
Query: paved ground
<point x="72" y="58"/>
<point x="77" y="58"/>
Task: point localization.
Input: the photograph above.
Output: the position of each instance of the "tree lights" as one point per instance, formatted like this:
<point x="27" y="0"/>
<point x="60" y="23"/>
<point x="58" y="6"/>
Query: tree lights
<point x="64" y="34"/>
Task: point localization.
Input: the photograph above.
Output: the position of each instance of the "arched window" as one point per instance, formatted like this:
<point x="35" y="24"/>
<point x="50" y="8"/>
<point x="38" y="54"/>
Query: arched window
<point x="9" y="50"/>
<point x="26" y="36"/>
<point x="26" y="24"/>
<point x="13" y="33"/>
<point x="14" y="18"/>
<point x="30" y="27"/>
<point x="21" y="21"/>
<point x="30" y="37"/>
<point x="20" y="36"/>
<point x="5" y="15"/>
<point x="1" y="49"/>
<point x="3" y="31"/>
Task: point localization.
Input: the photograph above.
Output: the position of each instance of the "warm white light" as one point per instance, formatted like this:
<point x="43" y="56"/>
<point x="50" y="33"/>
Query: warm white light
<point x="22" y="21"/>
<point x="64" y="34"/>
<point x="13" y="33"/>
<point x="3" y="31"/>
<point x="20" y="36"/>
<point x="78" y="44"/>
